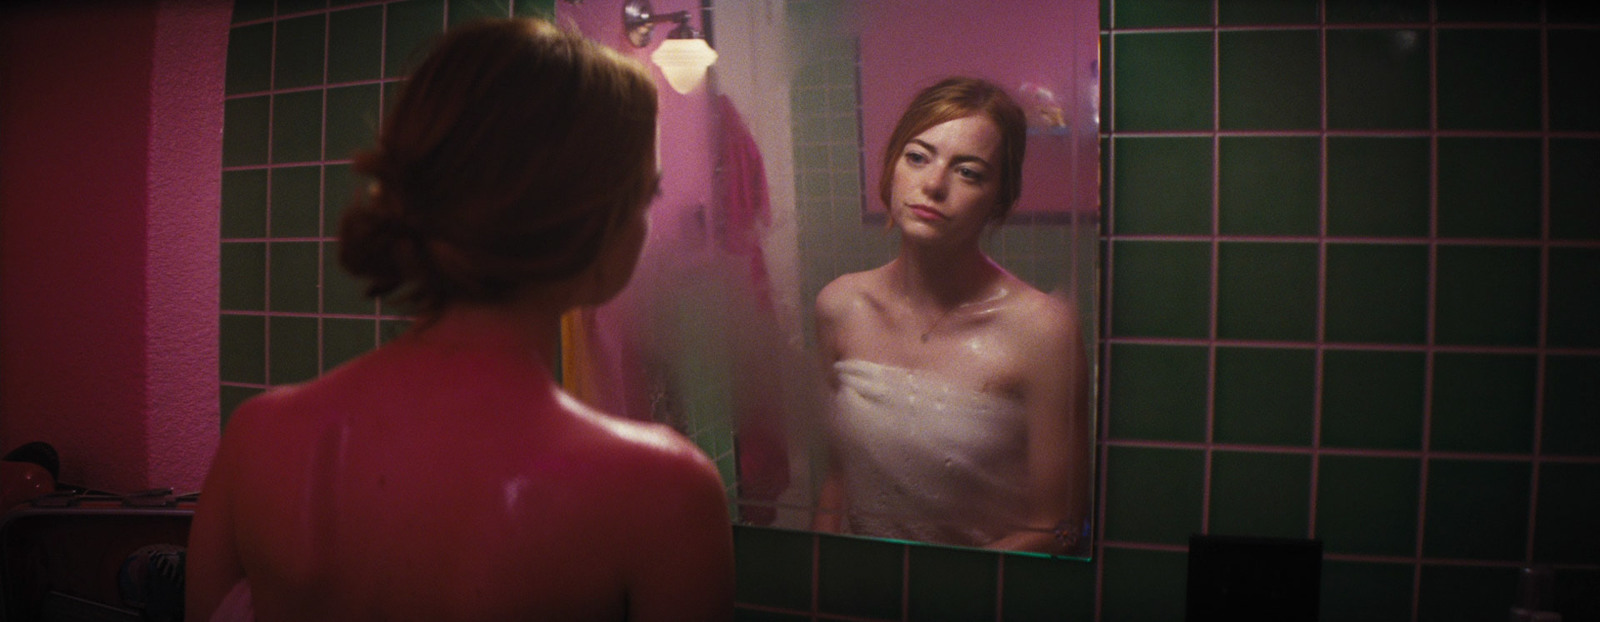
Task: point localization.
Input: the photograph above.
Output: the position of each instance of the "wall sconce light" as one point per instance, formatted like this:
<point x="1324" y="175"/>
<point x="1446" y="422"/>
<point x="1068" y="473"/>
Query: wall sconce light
<point x="683" y="57"/>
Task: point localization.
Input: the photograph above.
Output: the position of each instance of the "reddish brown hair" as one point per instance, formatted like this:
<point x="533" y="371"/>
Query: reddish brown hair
<point x="956" y="98"/>
<point x="513" y="153"/>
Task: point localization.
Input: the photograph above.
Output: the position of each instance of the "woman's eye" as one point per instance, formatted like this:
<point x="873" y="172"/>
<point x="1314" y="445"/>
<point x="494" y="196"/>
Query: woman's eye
<point x="970" y="174"/>
<point x="916" y="157"/>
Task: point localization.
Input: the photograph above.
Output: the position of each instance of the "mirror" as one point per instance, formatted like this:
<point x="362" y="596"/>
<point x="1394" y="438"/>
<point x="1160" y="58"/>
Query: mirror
<point x="803" y="98"/>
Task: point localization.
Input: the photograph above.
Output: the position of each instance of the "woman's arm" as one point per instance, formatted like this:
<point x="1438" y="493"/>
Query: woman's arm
<point x="1056" y="400"/>
<point x="829" y="515"/>
<point x="830" y="501"/>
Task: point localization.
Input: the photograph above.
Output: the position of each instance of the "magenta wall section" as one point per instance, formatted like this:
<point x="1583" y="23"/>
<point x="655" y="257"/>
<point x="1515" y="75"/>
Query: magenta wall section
<point x="109" y="160"/>
<point x="184" y="180"/>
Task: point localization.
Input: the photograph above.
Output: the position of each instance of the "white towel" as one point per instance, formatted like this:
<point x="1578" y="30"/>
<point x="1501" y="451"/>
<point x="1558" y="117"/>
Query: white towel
<point x="924" y="460"/>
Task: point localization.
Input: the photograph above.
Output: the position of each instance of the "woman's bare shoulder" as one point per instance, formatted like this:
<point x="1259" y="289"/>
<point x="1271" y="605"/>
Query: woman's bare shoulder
<point x="664" y="515"/>
<point x="661" y="496"/>
<point x="850" y="291"/>
<point x="278" y="410"/>
<point x="1044" y="318"/>
<point x="647" y="449"/>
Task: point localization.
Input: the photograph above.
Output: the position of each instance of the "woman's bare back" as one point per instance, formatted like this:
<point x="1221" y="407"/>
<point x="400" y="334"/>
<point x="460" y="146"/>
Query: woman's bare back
<point x="437" y="483"/>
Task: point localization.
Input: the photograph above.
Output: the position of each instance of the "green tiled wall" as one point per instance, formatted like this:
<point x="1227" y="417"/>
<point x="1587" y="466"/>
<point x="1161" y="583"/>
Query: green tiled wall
<point x="1352" y="278"/>
<point x="1344" y="255"/>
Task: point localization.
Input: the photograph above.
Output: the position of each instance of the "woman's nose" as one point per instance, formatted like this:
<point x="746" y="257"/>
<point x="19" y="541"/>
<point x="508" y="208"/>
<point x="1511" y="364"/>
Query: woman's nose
<point x="933" y="182"/>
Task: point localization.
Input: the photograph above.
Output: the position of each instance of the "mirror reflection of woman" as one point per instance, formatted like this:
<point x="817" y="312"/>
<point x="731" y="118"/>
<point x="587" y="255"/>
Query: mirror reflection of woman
<point x="446" y="476"/>
<point x="960" y="410"/>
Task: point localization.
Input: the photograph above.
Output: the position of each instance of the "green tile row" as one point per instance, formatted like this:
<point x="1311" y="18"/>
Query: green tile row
<point x="1369" y="399"/>
<point x="1266" y="79"/>
<point x="1360" y="505"/>
<point x="305" y="59"/>
<point x="1367" y="591"/>
<point x="1372" y="292"/>
<point x="301" y="347"/>
<point x="344" y="45"/>
<point x="883" y="580"/>
<point x="1488" y="188"/>
<point x="1136" y="14"/>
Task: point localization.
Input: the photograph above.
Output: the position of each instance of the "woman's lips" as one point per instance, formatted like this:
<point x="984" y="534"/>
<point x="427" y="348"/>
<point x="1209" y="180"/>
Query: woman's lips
<point x="926" y="213"/>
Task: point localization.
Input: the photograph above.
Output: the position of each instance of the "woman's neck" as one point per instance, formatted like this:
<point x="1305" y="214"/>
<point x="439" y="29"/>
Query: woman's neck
<point x="525" y="328"/>
<point x="941" y="278"/>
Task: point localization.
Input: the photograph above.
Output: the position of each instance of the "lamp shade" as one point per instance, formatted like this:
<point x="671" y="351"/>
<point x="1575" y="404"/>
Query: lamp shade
<point x="684" y="62"/>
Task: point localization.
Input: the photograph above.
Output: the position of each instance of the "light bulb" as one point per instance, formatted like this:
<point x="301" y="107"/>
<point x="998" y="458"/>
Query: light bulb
<point x="684" y="62"/>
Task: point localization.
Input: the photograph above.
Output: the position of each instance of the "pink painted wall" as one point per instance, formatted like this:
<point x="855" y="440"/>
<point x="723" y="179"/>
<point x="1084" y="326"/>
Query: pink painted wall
<point x="184" y="185"/>
<point x="110" y="134"/>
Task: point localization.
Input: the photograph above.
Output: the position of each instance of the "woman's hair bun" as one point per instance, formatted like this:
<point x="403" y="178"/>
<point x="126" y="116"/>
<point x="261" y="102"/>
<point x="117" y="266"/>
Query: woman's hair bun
<point x="510" y="157"/>
<point x="376" y="244"/>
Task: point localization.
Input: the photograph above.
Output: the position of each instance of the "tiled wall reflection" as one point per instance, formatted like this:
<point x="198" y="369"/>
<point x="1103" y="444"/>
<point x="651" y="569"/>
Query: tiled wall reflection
<point x="1352" y="276"/>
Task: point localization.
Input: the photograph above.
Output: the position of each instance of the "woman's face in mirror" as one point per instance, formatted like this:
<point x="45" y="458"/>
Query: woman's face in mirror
<point x="947" y="180"/>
